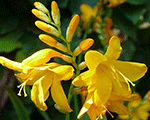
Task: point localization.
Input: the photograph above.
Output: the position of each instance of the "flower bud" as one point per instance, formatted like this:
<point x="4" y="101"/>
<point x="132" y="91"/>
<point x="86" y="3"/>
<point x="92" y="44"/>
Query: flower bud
<point x="84" y="45"/>
<point x="47" y="28"/>
<point x="55" y="13"/>
<point x="41" y="7"/>
<point x="52" y="42"/>
<point x="72" y="27"/>
<point x="41" y="15"/>
<point x="67" y="58"/>
<point x="82" y="65"/>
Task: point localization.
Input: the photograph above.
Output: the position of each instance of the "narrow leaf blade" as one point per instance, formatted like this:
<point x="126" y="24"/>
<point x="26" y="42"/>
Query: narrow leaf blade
<point x="19" y="107"/>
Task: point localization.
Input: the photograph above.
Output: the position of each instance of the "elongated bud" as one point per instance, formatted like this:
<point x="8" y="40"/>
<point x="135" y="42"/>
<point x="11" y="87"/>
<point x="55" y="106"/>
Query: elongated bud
<point x="41" y="15"/>
<point x="41" y="7"/>
<point x="84" y="45"/>
<point x="72" y="27"/>
<point x="55" y="12"/>
<point x="47" y="28"/>
<point x="67" y="58"/>
<point x="52" y="42"/>
<point x="82" y="65"/>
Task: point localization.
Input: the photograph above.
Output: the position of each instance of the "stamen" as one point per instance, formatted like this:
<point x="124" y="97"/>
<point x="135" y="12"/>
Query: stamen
<point x="116" y="75"/>
<point x="108" y="111"/>
<point x="127" y="80"/>
<point x="22" y="86"/>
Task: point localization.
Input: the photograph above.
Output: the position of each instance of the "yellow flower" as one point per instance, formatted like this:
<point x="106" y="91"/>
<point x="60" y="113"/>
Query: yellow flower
<point x="42" y="75"/>
<point x="109" y="74"/>
<point x="114" y="3"/>
<point x="95" y="109"/>
<point x="87" y="12"/>
<point x="141" y="113"/>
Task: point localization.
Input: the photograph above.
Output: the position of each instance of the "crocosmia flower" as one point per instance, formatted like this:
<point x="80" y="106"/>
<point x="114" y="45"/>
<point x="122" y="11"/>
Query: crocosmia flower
<point x="42" y="75"/>
<point x="108" y="74"/>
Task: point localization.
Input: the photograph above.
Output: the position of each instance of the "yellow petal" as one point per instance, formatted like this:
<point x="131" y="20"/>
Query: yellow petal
<point x="83" y="79"/>
<point x="87" y="12"/>
<point x="92" y="112"/>
<point x="59" y="96"/>
<point x="114" y="49"/>
<point x="118" y="107"/>
<point x="130" y="97"/>
<point x="131" y="70"/>
<point x="10" y="64"/>
<point x="87" y="104"/>
<point x="39" y="92"/>
<point x="40" y="57"/>
<point x="31" y="76"/>
<point x="47" y="28"/>
<point x="64" y="72"/>
<point x="72" y="27"/>
<point x="55" y="12"/>
<point x="103" y="85"/>
<point x="93" y="59"/>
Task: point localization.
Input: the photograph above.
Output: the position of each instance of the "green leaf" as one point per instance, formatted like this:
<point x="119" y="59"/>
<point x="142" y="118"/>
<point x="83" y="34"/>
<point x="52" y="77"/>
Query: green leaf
<point x="74" y="5"/>
<point x="122" y="23"/>
<point x="133" y="13"/>
<point x="9" y="42"/>
<point x="62" y="3"/>
<point x="128" y="50"/>
<point x="147" y="16"/>
<point x="136" y="2"/>
<point x="19" y="107"/>
<point x="8" y="23"/>
<point x="85" y="117"/>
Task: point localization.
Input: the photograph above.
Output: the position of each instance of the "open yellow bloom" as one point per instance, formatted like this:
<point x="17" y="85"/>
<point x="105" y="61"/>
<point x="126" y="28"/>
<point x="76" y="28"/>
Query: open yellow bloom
<point x="95" y="109"/>
<point x="42" y="75"/>
<point x="109" y="74"/>
<point x="87" y="12"/>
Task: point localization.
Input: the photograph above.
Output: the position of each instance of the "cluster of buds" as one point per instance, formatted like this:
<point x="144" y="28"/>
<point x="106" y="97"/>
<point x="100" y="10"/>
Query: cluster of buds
<point x="52" y="26"/>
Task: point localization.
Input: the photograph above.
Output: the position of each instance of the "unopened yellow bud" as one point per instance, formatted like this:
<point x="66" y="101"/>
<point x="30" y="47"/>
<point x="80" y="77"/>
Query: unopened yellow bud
<point x="84" y="45"/>
<point x="41" y="15"/>
<point x="55" y="13"/>
<point x="66" y="58"/>
<point x="47" y="28"/>
<point x="41" y="7"/>
<point x="72" y="27"/>
<point x="52" y="42"/>
<point x="82" y="65"/>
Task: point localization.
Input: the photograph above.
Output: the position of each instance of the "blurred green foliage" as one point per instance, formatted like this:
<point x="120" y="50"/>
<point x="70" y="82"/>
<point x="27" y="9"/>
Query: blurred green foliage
<point x="19" y="39"/>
